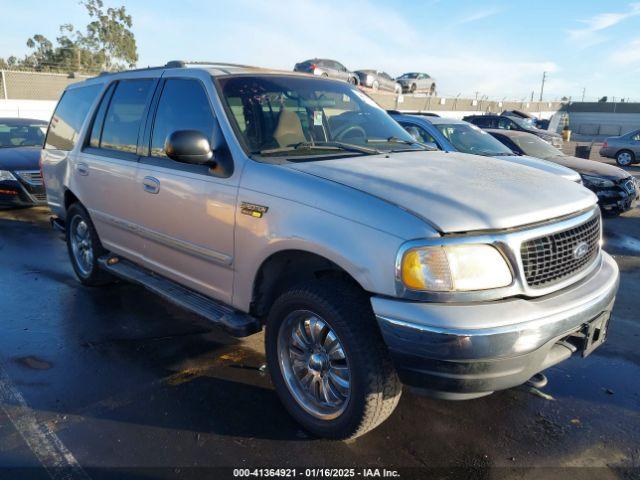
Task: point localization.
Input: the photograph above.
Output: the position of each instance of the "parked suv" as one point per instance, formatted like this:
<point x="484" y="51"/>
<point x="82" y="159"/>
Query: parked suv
<point x="505" y="122"/>
<point x="263" y="199"/>
<point x="323" y="67"/>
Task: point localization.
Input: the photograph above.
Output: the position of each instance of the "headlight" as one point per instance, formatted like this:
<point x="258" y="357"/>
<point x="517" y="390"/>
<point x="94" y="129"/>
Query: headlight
<point x="6" y="175"/>
<point x="454" y="268"/>
<point x="597" y="181"/>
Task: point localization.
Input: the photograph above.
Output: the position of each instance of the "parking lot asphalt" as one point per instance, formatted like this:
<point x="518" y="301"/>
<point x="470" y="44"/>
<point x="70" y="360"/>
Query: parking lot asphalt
<point x="115" y="382"/>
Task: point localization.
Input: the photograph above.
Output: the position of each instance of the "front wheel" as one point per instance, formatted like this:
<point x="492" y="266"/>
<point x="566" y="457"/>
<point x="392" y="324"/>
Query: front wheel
<point x="625" y="158"/>
<point x="84" y="247"/>
<point x="328" y="362"/>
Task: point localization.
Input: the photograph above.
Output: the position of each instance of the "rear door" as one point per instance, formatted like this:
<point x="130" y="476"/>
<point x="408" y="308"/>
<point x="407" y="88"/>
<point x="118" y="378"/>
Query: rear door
<point x="635" y="144"/>
<point x="107" y="165"/>
<point x="187" y="211"/>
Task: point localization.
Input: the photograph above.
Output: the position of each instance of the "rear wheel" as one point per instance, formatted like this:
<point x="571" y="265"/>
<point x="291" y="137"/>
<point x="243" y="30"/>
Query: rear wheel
<point x="432" y="90"/>
<point x="412" y="89"/>
<point x="84" y="247"/>
<point x="625" y="158"/>
<point x="353" y="81"/>
<point x="328" y="362"/>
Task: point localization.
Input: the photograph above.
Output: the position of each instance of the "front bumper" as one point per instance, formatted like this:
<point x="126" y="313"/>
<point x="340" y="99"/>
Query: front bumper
<point x="461" y="351"/>
<point x="615" y="199"/>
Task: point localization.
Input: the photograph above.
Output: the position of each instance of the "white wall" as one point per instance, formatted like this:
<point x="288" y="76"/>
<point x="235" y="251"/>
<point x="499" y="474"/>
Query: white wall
<point x="38" y="109"/>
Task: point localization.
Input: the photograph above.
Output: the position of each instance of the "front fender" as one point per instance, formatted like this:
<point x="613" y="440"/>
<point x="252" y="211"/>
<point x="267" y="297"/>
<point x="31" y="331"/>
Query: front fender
<point x="367" y="254"/>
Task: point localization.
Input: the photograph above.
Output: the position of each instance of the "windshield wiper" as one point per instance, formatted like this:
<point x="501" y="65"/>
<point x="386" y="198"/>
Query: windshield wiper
<point x="337" y="146"/>
<point x="393" y="139"/>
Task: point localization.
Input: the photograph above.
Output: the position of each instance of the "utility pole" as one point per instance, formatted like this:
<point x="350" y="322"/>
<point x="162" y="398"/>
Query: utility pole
<point x="584" y="89"/>
<point x="532" y="92"/>
<point x="544" y="78"/>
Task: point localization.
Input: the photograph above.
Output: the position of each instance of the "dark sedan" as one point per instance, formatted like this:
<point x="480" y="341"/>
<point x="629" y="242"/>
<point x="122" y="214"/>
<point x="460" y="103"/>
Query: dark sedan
<point x="508" y="122"/>
<point x="617" y="191"/>
<point x="21" y="140"/>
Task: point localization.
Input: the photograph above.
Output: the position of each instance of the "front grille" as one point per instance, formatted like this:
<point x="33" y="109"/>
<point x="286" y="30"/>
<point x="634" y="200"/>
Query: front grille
<point x="550" y="259"/>
<point x="32" y="177"/>
<point x="629" y="185"/>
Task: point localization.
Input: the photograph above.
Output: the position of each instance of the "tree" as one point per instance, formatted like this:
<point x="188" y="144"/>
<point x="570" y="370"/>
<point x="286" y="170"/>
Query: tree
<point x="107" y="44"/>
<point x="603" y="99"/>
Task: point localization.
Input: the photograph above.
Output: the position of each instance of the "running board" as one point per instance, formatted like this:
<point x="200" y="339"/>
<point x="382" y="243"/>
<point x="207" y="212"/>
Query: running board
<point x="232" y="321"/>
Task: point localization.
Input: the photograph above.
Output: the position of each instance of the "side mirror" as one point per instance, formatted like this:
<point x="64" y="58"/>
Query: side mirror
<point x="189" y="146"/>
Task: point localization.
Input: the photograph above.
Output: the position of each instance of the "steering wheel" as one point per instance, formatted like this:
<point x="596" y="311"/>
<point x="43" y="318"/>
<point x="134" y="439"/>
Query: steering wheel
<point x="353" y="129"/>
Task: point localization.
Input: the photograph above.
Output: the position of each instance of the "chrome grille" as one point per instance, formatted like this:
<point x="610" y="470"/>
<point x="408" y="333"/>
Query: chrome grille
<point x="629" y="185"/>
<point x="32" y="177"/>
<point x="552" y="258"/>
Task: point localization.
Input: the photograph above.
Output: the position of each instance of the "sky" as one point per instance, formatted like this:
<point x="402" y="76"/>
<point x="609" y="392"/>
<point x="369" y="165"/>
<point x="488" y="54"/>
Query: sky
<point x="493" y="48"/>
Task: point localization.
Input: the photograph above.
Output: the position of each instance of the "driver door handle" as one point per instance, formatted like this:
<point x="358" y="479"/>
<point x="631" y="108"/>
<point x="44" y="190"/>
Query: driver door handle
<point x="151" y="185"/>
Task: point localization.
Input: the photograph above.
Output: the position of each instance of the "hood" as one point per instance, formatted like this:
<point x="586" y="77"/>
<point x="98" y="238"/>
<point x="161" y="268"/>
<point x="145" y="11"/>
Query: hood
<point x="20" y="158"/>
<point x="457" y="192"/>
<point x="543" y="165"/>
<point x="544" y="133"/>
<point x="591" y="167"/>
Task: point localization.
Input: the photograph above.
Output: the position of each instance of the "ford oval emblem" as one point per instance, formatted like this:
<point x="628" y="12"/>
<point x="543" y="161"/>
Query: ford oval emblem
<point x="581" y="250"/>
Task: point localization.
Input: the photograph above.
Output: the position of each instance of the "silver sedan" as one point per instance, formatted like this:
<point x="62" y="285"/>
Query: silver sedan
<point x="625" y="148"/>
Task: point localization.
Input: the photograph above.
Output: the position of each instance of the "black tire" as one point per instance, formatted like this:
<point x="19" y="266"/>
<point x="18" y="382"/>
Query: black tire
<point x="375" y="389"/>
<point x="94" y="276"/>
<point x="625" y="154"/>
<point x="353" y="81"/>
<point x="432" y="90"/>
<point x="412" y="89"/>
<point x="324" y="75"/>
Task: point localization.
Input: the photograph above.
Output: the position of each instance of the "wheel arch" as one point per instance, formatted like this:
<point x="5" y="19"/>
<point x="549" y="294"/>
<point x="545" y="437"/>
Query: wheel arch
<point x="285" y="268"/>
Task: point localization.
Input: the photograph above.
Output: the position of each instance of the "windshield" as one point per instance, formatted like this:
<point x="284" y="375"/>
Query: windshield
<point x="535" y="146"/>
<point x="468" y="138"/>
<point x="21" y="135"/>
<point x="526" y="123"/>
<point x="304" y="117"/>
<point x="409" y="75"/>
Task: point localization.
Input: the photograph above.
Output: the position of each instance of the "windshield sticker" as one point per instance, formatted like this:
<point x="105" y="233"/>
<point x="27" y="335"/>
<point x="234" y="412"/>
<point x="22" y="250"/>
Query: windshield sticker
<point x="317" y="118"/>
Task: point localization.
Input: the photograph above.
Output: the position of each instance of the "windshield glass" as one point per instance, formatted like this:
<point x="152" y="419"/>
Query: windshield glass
<point x="409" y="75"/>
<point x="468" y="138"/>
<point x="527" y="123"/>
<point x="535" y="146"/>
<point x="21" y="135"/>
<point x="296" y="116"/>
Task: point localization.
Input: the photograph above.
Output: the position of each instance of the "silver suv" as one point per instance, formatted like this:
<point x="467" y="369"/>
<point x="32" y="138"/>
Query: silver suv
<point x="263" y="199"/>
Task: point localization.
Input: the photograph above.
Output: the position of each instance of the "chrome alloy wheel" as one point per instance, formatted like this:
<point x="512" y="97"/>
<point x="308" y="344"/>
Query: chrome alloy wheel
<point x="314" y="364"/>
<point x="81" y="245"/>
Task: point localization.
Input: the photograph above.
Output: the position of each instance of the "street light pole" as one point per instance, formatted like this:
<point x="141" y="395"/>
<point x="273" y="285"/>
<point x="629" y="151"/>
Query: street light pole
<point x="544" y="78"/>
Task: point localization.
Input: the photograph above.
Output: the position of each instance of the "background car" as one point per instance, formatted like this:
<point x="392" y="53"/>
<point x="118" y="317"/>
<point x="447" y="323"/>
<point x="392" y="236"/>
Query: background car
<point x="414" y="82"/>
<point x="617" y="191"/>
<point x="378" y="81"/>
<point x="453" y="135"/>
<point x="625" y="148"/>
<point x="504" y="122"/>
<point x="21" y="141"/>
<point x="324" y="67"/>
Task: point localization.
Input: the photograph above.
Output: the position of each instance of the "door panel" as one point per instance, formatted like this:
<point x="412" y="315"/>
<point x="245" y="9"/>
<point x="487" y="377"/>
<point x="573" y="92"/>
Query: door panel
<point x="187" y="214"/>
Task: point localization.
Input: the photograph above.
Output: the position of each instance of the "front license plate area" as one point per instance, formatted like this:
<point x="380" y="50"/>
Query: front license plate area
<point x="594" y="333"/>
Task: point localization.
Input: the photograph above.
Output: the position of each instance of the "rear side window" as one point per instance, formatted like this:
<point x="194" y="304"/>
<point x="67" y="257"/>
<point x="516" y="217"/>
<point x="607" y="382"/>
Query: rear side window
<point x="68" y="117"/>
<point x="124" y="115"/>
<point x="184" y="105"/>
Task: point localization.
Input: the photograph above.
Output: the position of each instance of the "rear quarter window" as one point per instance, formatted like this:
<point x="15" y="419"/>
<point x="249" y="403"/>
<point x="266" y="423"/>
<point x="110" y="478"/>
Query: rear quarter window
<point x="68" y="117"/>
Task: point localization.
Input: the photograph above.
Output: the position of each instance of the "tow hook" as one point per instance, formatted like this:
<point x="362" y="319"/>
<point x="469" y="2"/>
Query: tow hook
<point x="539" y="380"/>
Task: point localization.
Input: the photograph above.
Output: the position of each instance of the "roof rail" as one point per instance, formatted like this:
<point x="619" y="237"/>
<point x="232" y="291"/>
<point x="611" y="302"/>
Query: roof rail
<point x="183" y="63"/>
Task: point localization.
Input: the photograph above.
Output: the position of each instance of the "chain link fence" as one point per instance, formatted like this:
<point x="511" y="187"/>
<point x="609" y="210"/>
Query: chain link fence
<point x="20" y="85"/>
